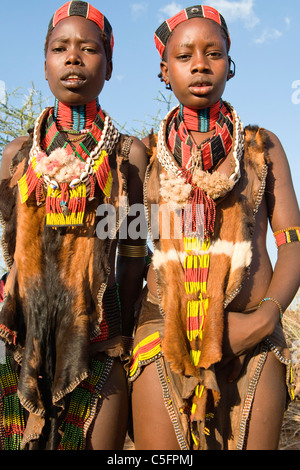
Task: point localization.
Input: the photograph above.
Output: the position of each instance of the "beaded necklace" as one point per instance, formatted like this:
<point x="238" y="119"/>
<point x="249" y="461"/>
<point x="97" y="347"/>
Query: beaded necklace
<point x="201" y="120"/>
<point x="68" y="174"/>
<point x="55" y="139"/>
<point x="75" y="119"/>
<point x="213" y="149"/>
<point x="195" y="188"/>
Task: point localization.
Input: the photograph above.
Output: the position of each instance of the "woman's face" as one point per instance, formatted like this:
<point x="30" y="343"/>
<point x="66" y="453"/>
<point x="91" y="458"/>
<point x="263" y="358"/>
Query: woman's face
<point x="197" y="64"/>
<point x="76" y="66"/>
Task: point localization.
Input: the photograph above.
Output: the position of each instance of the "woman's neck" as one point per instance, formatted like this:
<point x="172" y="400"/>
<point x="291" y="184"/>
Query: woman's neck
<point x="75" y="118"/>
<point x="201" y="120"/>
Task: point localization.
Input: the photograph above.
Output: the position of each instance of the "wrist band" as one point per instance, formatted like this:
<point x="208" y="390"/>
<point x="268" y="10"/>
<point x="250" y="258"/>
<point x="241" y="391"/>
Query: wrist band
<point x="287" y="235"/>
<point x="132" y="251"/>
<point x="275" y="301"/>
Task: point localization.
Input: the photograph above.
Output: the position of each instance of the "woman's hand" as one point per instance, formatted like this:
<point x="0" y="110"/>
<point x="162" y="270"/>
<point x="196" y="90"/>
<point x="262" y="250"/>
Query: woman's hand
<point x="243" y="331"/>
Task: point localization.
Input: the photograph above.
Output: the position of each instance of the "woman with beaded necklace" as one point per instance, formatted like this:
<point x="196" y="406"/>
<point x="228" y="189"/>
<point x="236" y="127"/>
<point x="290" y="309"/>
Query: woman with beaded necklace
<point x="62" y="383"/>
<point x="210" y="368"/>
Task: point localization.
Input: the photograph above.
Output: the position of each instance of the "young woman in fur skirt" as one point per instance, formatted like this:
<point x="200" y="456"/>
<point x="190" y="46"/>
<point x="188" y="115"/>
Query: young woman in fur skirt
<point x="210" y="366"/>
<point x="67" y="317"/>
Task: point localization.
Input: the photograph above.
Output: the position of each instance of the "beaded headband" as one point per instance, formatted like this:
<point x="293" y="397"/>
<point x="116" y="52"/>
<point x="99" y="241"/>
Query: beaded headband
<point x="163" y="33"/>
<point x="86" y="10"/>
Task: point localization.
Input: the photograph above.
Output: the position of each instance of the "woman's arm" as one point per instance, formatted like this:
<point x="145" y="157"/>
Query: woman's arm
<point x="130" y="269"/>
<point x="243" y="332"/>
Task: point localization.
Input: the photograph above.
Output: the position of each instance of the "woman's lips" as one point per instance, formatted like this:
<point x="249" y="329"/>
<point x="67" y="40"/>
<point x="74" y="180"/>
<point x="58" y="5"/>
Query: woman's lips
<point x="73" y="81"/>
<point x="200" y="88"/>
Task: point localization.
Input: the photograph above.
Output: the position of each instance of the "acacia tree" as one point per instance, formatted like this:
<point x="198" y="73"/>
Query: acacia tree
<point x="18" y="111"/>
<point x="152" y="123"/>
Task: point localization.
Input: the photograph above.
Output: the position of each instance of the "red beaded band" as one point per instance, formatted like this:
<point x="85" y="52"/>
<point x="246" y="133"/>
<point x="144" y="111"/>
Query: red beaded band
<point x="287" y="235"/>
<point x="86" y="10"/>
<point x="162" y="34"/>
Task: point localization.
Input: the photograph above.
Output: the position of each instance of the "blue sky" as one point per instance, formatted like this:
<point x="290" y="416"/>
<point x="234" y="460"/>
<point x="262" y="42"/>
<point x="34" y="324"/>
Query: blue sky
<point x="265" y="48"/>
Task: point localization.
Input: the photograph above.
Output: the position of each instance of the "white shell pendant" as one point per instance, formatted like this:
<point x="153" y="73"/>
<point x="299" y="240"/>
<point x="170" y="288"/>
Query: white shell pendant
<point x="75" y="183"/>
<point x="84" y="176"/>
<point x="53" y="184"/>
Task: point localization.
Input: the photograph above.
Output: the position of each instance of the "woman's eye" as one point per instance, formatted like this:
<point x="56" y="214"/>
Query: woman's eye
<point x="183" y="56"/>
<point x="214" y="54"/>
<point x="90" y="50"/>
<point x="58" y="49"/>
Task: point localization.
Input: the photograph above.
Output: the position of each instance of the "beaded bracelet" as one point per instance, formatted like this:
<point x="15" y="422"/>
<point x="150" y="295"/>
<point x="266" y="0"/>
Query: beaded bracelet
<point x="287" y="235"/>
<point x="275" y="301"/>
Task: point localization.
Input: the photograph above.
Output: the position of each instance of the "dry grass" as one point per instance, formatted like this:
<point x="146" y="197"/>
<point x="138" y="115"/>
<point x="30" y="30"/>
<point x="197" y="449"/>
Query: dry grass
<point x="290" y="436"/>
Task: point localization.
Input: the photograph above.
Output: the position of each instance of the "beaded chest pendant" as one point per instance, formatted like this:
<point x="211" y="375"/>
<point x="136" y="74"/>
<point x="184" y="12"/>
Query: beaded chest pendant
<point x="66" y="175"/>
<point x="196" y="187"/>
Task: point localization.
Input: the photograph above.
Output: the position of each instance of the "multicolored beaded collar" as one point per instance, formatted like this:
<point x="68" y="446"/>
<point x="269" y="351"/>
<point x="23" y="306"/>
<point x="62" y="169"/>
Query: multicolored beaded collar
<point x="201" y="120"/>
<point x="75" y="119"/>
<point x="64" y="118"/>
<point x="212" y="150"/>
<point x="68" y="175"/>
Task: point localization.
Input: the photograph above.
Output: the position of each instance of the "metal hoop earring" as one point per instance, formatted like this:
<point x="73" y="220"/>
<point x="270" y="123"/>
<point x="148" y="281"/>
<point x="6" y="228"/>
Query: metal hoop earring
<point x="231" y="71"/>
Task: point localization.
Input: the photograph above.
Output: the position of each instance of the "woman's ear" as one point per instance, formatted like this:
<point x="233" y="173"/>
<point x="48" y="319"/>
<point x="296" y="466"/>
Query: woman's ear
<point x="165" y="72"/>
<point x="45" y="69"/>
<point x="109" y="69"/>
<point x="231" y="72"/>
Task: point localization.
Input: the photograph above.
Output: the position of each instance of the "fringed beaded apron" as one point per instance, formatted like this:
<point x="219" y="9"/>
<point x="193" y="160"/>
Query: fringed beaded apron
<point x="83" y="400"/>
<point x="13" y="424"/>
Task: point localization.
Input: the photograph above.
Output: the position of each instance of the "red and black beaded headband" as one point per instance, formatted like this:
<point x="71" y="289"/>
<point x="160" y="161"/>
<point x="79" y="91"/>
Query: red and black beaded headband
<point x="86" y="10"/>
<point x="163" y="33"/>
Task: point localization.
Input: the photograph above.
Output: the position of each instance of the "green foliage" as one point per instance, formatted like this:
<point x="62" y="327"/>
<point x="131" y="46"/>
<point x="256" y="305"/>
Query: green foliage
<point x="150" y="123"/>
<point x="153" y="122"/>
<point x="18" y="112"/>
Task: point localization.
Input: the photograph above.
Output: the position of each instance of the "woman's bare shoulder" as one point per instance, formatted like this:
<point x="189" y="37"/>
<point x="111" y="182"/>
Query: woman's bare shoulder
<point x="281" y="198"/>
<point x="10" y="150"/>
